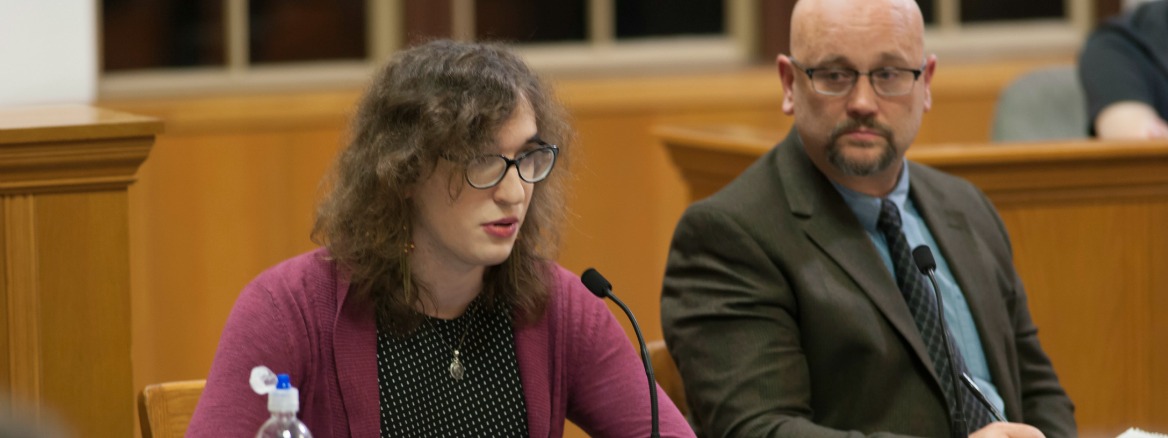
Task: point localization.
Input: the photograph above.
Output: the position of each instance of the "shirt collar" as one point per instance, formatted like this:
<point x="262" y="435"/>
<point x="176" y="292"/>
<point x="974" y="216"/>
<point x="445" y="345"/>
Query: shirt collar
<point x="867" y="208"/>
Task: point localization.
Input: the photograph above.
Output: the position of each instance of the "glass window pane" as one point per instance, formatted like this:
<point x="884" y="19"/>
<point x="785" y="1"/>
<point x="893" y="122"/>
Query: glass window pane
<point x="655" y="18"/>
<point x="145" y="34"/>
<point x="1005" y="10"/>
<point x="927" y="8"/>
<point x="306" y="30"/>
<point x="531" y="21"/>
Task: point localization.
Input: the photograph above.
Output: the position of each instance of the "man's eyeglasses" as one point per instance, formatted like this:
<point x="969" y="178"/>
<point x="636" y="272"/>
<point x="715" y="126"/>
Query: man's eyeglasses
<point x="534" y="166"/>
<point x="837" y="81"/>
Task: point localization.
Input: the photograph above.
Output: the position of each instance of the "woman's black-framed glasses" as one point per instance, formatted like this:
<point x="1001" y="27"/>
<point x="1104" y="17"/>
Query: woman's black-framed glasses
<point x="838" y="81"/>
<point x="534" y="166"/>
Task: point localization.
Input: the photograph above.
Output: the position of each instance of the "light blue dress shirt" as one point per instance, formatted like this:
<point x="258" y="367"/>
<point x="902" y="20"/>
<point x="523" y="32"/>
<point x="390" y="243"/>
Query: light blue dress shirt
<point x="957" y="316"/>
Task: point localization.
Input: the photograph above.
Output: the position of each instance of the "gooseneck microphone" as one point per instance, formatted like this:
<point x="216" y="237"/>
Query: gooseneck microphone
<point x="600" y="287"/>
<point x="923" y="257"/>
<point x="981" y="397"/>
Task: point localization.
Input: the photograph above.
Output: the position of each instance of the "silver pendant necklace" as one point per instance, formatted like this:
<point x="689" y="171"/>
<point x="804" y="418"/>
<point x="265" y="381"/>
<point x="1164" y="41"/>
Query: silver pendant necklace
<point x="457" y="370"/>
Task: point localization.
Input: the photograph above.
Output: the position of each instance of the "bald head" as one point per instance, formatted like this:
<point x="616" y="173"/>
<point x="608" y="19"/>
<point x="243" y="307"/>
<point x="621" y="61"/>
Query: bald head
<point x="857" y="133"/>
<point x="817" y="24"/>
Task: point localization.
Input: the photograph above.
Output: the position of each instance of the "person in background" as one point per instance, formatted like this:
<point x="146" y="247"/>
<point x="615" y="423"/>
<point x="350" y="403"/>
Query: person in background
<point x="1124" y="71"/>
<point x="791" y="301"/>
<point x="21" y="420"/>
<point x="433" y="307"/>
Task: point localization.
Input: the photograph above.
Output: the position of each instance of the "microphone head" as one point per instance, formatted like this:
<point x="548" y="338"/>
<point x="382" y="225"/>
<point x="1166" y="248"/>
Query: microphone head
<point x="923" y="256"/>
<point x="596" y="283"/>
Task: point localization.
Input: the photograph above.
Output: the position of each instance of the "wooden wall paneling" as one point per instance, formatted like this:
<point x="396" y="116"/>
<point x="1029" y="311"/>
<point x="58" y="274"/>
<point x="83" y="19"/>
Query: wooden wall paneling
<point x="1158" y="250"/>
<point x="1091" y="303"/>
<point x="1087" y="223"/>
<point x="215" y="210"/>
<point x="22" y="303"/>
<point x="5" y="291"/>
<point x="84" y="310"/>
<point x="619" y="210"/>
<point x="608" y="160"/>
<point x="63" y="177"/>
<point x="627" y="196"/>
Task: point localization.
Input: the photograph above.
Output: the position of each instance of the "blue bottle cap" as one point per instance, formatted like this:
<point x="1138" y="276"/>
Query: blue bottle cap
<point x="283" y="381"/>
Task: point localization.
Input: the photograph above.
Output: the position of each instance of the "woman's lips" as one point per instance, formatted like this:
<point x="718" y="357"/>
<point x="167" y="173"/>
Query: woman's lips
<point x="503" y="228"/>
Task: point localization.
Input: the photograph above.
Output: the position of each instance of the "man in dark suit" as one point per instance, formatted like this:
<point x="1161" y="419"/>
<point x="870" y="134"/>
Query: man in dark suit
<point x="791" y="304"/>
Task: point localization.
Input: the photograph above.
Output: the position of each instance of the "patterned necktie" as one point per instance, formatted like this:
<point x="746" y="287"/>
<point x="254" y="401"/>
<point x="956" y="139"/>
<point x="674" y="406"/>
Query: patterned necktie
<point x="924" y="311"/>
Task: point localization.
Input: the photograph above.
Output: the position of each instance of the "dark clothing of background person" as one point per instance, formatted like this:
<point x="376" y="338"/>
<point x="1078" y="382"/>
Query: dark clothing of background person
<point x="1126" y="59"/>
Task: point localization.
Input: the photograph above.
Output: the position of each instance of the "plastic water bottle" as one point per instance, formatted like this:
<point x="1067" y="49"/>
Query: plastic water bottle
<point x="283" y="403"/>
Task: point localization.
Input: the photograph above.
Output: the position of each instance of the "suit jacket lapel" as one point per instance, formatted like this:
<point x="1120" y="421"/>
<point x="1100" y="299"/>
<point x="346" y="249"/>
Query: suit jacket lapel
<point x="832" y="226"/>
<point x="950" y="228"/>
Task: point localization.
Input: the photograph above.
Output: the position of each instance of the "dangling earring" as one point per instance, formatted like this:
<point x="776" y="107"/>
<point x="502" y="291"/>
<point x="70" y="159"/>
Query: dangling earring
<point x="407" y="286"/>
<point x="407" y="251"/>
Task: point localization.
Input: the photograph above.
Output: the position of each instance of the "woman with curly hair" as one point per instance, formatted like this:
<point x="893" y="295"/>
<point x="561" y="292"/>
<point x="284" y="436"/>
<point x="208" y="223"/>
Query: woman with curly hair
<point x="434" y="306"/>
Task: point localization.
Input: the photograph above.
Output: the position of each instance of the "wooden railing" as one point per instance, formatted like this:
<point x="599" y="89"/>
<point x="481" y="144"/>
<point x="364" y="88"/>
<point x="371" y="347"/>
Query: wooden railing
<point x="1089" y="224"/>
<point x="65" y="264"/>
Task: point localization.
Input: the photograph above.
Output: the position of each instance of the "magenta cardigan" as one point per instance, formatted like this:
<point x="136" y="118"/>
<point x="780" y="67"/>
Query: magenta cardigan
<point x="575" y="363"/>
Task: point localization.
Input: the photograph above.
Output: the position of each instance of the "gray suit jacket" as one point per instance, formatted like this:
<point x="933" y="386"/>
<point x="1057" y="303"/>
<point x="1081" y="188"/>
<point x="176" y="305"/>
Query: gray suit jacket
<point x="784" y="321"/>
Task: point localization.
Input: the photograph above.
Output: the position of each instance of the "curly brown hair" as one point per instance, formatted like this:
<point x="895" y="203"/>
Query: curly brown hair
<point x="440" y="99"/>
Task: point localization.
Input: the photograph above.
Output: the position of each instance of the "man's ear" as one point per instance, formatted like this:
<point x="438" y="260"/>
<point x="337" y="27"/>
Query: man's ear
<point x="787" y="76"/>
<point x="927" y="77"/>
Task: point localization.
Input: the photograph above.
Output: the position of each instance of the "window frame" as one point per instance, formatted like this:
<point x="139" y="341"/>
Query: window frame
<point x="949" y="38"/>
<point x="601" y="54"/>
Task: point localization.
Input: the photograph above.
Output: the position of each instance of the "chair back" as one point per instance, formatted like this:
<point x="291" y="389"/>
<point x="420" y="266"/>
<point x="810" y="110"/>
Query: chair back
<point x="165" y="409"/>
<point x="665" y="370"/>
<point x="1044" y="104"/>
